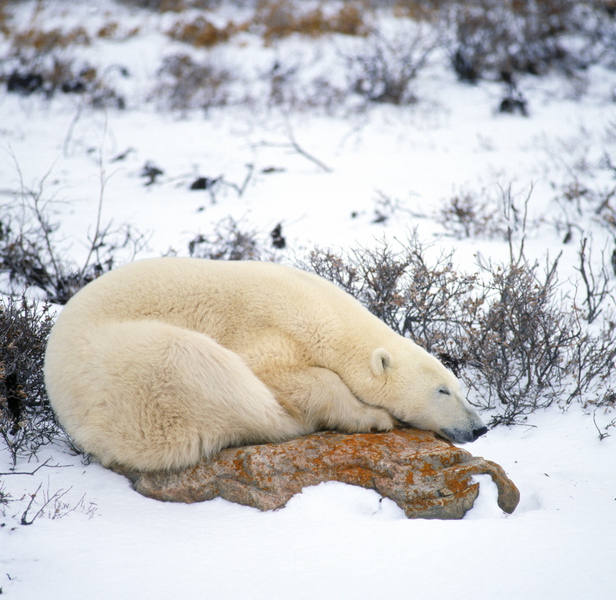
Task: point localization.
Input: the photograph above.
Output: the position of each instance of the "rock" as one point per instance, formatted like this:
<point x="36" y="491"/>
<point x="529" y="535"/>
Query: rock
<point x="426" y="476"/>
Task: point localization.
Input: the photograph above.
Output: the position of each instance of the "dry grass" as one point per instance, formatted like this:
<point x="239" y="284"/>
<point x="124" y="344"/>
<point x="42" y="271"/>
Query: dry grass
<point x="274" y="19"/>
<point x="44" y="42"/>
<point x="281" y="18"/>
<point x="201" y="32"/>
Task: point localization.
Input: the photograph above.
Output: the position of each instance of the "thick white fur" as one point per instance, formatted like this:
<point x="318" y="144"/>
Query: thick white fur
<point x="164" y="361"/>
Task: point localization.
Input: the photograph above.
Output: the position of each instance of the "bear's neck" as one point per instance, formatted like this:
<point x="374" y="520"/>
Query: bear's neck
<point x="347" y="350"/>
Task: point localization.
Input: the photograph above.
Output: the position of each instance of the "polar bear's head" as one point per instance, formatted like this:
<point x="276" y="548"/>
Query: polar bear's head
<point x="419" y="391"/>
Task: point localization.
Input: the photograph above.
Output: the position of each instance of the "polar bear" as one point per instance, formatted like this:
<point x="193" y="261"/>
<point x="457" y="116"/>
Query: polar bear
<point x="162" y="362"/>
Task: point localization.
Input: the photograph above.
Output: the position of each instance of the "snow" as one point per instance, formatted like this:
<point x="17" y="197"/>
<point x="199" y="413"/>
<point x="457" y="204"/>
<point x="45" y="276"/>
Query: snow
<point x="334" y="541"/>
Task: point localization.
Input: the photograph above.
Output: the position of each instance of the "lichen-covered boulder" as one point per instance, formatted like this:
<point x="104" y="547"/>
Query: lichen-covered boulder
<point x="423" y="474"/>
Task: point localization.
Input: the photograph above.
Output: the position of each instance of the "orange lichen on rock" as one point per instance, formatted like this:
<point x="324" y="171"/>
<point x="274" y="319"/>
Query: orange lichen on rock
<point x="426" y="476"/>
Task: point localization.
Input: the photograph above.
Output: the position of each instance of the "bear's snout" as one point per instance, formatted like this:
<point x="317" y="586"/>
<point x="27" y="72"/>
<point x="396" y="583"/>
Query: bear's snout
<point x="477" y="433"/>
<point x="463" y="436"/>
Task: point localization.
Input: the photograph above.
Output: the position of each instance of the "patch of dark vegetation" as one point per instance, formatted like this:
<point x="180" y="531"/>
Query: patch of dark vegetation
<point x="514" y="103"/>
<point x="385" y="67"/>
<point x="230" y="240"/>
<point x="278" y="240"/>
<point x="26" y="419"/>
<point x="497" y="39"/>
<point x="204" y="183"/>
<point x="65" y="78"/>
<point x="173" y="5"/>
<point x="185" y="84"/>
<point x="30" y="255"/>
<point x="151" y="173"/>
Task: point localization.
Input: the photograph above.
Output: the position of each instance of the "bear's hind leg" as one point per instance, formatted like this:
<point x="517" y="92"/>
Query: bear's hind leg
<point x="151" y="396"/>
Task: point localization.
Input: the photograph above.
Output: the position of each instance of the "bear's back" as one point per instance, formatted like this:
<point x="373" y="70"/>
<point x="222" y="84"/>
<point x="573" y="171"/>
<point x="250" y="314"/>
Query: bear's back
<point x="207" y="296"/>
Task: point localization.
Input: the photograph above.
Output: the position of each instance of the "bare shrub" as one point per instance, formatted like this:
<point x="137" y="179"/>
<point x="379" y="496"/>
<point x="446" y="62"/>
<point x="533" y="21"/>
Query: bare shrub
<point x="273" y="19"/>
<point x="489" y="214"/>
<point x="348" y="20"/>
<point x="597" y="26"/>
<point x="27" y="254"/>
<point x="282" y="83"/>
<point x="54" y="505"/>
<point x="29" y="251"/>
<point x="418" y="10"/>
<point x="605" y="209"/>
<point x="5" y="20"/>
<point x="279" y="18"/>
<point x="30" y="256"/>
<point x="596" y="283"/>
<point x="26" y="419"/>
<point x="465" y="216"/>
<point x="430" y="303"/>
<point x="385" y="207"/>
<point x="5" y="499"/>
<point x="491" y="37"/>
<point x="288" y="86"/>
<point x="185" y="84"/>
<point x="230" y="241"/>
<point x="385" y="65"/>
<point x="521" y="340"/>
<point x="52" y="75"/>
<point x="517" y="344"/>
<point x="584" y="199"/>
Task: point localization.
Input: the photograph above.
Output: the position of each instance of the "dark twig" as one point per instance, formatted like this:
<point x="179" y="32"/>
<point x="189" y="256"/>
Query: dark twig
<point x="37" y="469"/>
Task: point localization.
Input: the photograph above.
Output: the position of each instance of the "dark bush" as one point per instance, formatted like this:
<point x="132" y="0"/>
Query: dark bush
<point x="30" y="256"/>
<point x="387" y="63"/>
<point x="500" y="38"/>
<point x="520" y="341"/>
<point x="492" y="213"/>
<point x="26" y="419"/>
<point x="172" y="5"/>
<point x="29" y="259"/>
<point x="63" y="77"/>
<point x="38" y="61"/>
<point x="228" y="242"/>
<point x="184" y="84"/>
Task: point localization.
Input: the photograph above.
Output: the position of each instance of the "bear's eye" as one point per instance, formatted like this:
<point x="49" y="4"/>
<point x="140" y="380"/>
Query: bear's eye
<point x="444" y="391"/>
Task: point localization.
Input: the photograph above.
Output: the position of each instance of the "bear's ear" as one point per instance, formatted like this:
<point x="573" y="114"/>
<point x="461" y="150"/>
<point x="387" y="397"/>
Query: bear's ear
<point x="381" y="361"/>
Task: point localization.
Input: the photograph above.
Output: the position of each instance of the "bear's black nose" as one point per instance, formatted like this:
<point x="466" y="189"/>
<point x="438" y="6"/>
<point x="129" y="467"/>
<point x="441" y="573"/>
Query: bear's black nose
<point x="479" y="432"/>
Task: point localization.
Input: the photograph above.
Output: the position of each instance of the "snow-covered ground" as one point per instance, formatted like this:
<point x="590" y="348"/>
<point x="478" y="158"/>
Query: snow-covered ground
<point x="101" y="539"/>
<point x="332" y="541"/>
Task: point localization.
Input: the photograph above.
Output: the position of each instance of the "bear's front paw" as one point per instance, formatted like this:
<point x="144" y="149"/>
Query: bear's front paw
<point x="371" y="419"/>
<point x="383" y="421"/>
